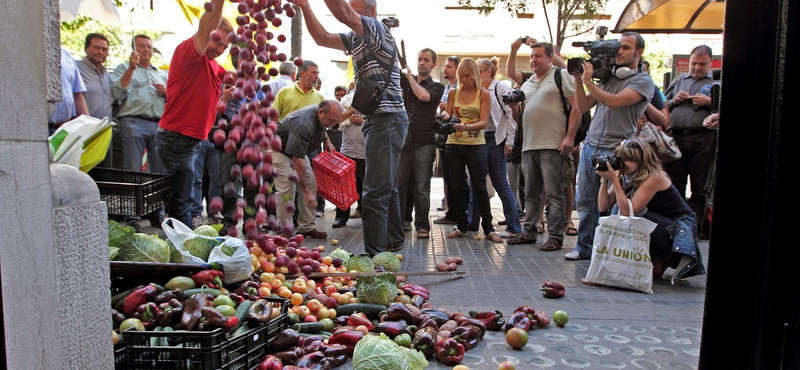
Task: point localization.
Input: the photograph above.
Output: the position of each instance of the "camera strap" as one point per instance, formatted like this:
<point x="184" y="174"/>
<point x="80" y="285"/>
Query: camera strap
<point x="557" y="79"/>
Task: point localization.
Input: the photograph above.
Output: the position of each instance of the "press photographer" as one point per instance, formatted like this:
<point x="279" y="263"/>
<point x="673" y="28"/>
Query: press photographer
<point x="621" y="97"/>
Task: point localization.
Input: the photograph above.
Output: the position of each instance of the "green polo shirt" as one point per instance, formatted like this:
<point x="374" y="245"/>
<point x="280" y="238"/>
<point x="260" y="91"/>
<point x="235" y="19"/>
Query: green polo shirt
<point x="292" y="98"/>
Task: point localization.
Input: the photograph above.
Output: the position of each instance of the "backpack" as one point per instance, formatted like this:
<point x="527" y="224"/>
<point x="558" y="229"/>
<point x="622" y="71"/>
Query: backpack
<point x="586" y="118"/>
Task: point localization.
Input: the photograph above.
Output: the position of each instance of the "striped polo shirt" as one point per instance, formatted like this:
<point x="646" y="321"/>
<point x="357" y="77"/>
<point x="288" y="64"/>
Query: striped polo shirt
<point x="372" y="56"/>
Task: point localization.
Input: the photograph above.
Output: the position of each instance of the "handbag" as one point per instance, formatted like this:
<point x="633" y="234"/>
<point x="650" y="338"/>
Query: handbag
<point x="369" y="93"/>
<point x="664" y="145"/>
<point x="621" y="253"/>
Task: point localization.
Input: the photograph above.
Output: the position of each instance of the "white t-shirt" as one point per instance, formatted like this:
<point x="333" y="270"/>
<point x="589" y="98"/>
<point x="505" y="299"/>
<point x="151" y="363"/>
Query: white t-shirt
<point x="544" y="118"/>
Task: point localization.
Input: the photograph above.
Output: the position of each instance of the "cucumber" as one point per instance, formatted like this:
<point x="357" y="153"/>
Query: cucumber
<point x="165" y="339"/>
<point x="239" y="331"/>
<point x="308" y="327"/>
<point x="202" y="290"/>
<point x="323" y="334"/>
<point x="156" y="340"/>
<point x="242" y="309"/>
<point x="159" y="288"/>
<point x="372" y="310"/>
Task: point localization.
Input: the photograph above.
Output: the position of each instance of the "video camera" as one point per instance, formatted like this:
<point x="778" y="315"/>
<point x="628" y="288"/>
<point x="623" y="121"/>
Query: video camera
<point x="601" y="162"/>
<point x="443" y="129"/>
<point x="602" y="55"/>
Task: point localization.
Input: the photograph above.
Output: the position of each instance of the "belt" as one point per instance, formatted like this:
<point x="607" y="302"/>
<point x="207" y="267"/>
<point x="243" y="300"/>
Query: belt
<point x="151" y="119"/>
<point x="693" y="131"/>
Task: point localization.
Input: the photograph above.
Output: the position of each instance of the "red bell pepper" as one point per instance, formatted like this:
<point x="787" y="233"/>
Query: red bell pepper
<point x="209" y="278"/>
<point x="314" y="360"/>
<point x="551" y="289"/>
<point x="347" y="338"/>
<point x="394" y="328"/>
<point x="450" y="352"/>
<point x="137" y="297"/>
<point x="359" y="318"/>
<point x="425" y="340"/>
<point x="519" y="320"/>
<point x="463" y="320"/>
<point x="414" y="289"/>
<point x="146" y="313"/>
<point x="529" y="311"/>
<point x="468" y="336"/>
<point x="270" y="363"/>
<point x="492" y="319"/>
<point x="248" y="290"/>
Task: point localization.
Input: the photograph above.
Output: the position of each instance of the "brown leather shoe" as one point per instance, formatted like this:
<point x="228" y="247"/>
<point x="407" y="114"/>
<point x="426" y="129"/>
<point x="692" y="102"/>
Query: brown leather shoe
<point x="551" y="245"/>
<point x="315" y="234"/>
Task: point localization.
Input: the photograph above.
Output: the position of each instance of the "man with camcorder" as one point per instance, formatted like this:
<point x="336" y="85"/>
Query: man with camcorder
<point x="621" y="97"/>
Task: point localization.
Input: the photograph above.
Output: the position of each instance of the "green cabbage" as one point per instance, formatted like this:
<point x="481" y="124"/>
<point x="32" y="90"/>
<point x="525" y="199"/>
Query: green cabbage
<point x="378" y="289"/>
<point x="341" y="253"/>
<point x="112" y="253"/>
<point x="378" y="352"/>
<point x="174" y="254"/>
<point x="360" y="263"/>
<point x="388" y="260"/>
<point x="206" y="230"/>
<point x="200" y="247"/>
<point x="118" y="235"/>
<point x="144" y="248"/>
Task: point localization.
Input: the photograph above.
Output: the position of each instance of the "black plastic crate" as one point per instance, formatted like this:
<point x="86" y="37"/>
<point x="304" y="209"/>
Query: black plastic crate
<point x="120" y="360"/>
<point x="204" y="350"/>
<point x="127" y="275"/>
<point x="131" y="193"/>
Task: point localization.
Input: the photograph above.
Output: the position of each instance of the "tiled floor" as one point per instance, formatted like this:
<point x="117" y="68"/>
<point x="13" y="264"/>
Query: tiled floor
<point x="608" y="329"/>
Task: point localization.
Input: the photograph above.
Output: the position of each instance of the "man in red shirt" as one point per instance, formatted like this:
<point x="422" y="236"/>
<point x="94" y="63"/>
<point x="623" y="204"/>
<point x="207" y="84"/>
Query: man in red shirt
<point x="193" y="89"/>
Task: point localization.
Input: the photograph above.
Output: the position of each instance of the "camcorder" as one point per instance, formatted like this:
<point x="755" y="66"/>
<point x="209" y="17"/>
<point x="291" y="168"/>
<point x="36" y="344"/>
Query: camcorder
<point x="443" y="129"/>
<point x="601" y="162"/>
<point x="602" y="55"/>
<point x="515" y="96"/>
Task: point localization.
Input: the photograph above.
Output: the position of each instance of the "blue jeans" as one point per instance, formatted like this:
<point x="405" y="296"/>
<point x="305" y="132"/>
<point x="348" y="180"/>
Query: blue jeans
<point x="417" y="162"/>
<point x="382" y="222"/>
<point x="178" y="152"/>
<point x="473" y="157"/>
<point x="206" y="163"/>
<point x="588" y="186"/>
<point x="496" y="168"/>
<point x="137" y="135"/>
<point x="344" y="214"/>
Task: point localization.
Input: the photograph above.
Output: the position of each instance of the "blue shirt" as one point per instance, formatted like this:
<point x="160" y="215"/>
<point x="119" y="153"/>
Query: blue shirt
<point x="71" y="83"/>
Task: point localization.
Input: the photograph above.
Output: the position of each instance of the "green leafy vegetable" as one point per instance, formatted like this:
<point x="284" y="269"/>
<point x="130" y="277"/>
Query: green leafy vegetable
<point x="200" y="246"/>
<point x="118" y="235"/>
<point x="341" y="254"/>
<point x="206" y="230"/>
<point x="375" y="352"/>
<point x="378" y="289"/>
<point x="388" y="260"/>
<point x="227" y="249"/>
<point x="174" y="254"/>
<point x="145" y="248"/>
<point x="112" y="253"/>
<point x="360" y="263"/>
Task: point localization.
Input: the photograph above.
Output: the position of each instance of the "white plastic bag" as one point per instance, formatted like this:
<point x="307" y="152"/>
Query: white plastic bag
<point x="236" y="267"/>
<point x="621" y="253"/>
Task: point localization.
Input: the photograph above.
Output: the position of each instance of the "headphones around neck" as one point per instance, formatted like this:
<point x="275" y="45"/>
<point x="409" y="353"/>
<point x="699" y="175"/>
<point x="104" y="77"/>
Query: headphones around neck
<point x="624" y="72"/>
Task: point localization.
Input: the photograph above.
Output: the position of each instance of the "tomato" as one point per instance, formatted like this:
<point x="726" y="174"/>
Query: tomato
<point x="131" y="323"/>
<point x="226" y="310"/>
<point x="403" y="298"/>
<point x="314" y="305"/>
<point x="284" y="292"/>
<point x="403" y="340"/>
<point x="297" y="299"/>
<point x="255" y="250"/>
<point x="223" y="300"/>
<point x="264" y="291"/>
<point x="517" y="338"/>
<point x="507" y="365"/>
<point x="560" y="317"/>
<point x="327" y="324"/>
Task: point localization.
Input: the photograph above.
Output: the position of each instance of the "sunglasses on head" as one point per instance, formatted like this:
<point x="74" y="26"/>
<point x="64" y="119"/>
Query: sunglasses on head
<point x="454" y="59"/>
<point x="630" y="143"/>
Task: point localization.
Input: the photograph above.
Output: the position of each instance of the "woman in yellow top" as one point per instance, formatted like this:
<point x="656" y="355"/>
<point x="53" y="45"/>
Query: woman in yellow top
<point x="465" y="147"/>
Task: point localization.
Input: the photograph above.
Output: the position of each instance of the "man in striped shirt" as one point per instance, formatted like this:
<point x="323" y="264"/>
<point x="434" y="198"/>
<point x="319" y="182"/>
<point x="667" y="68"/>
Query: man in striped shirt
<point x="374" y="56"/>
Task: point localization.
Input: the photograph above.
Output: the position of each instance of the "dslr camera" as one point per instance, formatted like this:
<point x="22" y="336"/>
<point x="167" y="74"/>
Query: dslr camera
<point x="601" y="162"/>
<point x="515" y="96"/>
<point x="443" y="129"/>
<point x="602" y="55"/>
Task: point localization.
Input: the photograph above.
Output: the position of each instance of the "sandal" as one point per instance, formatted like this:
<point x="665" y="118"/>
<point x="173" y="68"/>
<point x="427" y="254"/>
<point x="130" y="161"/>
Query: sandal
<point x="456" y="234"/>
<point x="494" y="237"/>
<point x="521" y="239"/>
<point x="422" y="234"/>
<point x="540" y="227"/>
<point x="571" y="230"/>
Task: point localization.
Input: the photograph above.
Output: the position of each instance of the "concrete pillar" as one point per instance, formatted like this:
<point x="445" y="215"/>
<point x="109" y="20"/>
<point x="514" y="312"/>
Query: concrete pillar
<point x="33" y="311"/>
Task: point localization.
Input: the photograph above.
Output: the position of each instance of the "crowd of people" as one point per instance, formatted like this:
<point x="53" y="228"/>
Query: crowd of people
<point x="524" y="147"/>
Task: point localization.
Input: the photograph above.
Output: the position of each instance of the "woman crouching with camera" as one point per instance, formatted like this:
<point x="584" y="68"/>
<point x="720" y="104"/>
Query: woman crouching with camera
<point x="641" y="179"/>
<point x="465" y="147"/>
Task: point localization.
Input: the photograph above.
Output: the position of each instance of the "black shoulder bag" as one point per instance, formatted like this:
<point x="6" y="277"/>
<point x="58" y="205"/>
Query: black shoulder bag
<point x="369" y="93"/>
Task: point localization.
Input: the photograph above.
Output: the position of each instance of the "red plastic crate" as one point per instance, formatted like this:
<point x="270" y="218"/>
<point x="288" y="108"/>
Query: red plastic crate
<point x="336" y="178"/>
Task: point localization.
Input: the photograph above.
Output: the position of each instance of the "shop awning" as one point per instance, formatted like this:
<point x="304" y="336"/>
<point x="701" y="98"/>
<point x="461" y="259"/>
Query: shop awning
<point x="672" y="16"/>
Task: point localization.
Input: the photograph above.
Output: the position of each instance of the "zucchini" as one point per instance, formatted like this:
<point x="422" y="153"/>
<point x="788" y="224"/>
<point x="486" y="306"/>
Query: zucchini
<point x="323" y="334"/>
<point x="159" y="288"/>
<point x="156" y="340"/>
<point x="372" y="310"/>
<point x="308" y="327"/>
<point x="202" y="290"/>
<point x="239" y="331"/>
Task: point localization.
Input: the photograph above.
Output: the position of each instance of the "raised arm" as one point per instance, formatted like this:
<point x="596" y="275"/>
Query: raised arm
<point x="209" y="21"/>
<point x="345" y="14"/>
<point x="321" y="36"/>
<point x="624" y="98"/>
<point x="511" y="64"/>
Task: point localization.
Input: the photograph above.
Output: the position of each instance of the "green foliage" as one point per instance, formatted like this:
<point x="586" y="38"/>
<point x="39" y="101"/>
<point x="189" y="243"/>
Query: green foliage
<point x="388" y="260"/>
<point x="563" y="10"/>
<point x="200" y="246"/>
<point x="73" y="38"/>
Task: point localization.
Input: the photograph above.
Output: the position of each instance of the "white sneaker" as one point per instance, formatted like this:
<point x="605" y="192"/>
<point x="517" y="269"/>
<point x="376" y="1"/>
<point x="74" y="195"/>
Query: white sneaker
<point x="506" y="234"/>
<point x="575" y="255"/>
<point x="355" y="214"/>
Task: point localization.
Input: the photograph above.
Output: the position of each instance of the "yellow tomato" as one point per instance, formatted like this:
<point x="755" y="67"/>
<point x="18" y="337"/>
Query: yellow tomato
<point x="321" y="248"/>
<point x="296" y="299"/>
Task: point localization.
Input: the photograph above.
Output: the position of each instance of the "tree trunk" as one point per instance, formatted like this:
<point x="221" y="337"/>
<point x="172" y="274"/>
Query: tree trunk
<point x="297" y="32"/>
